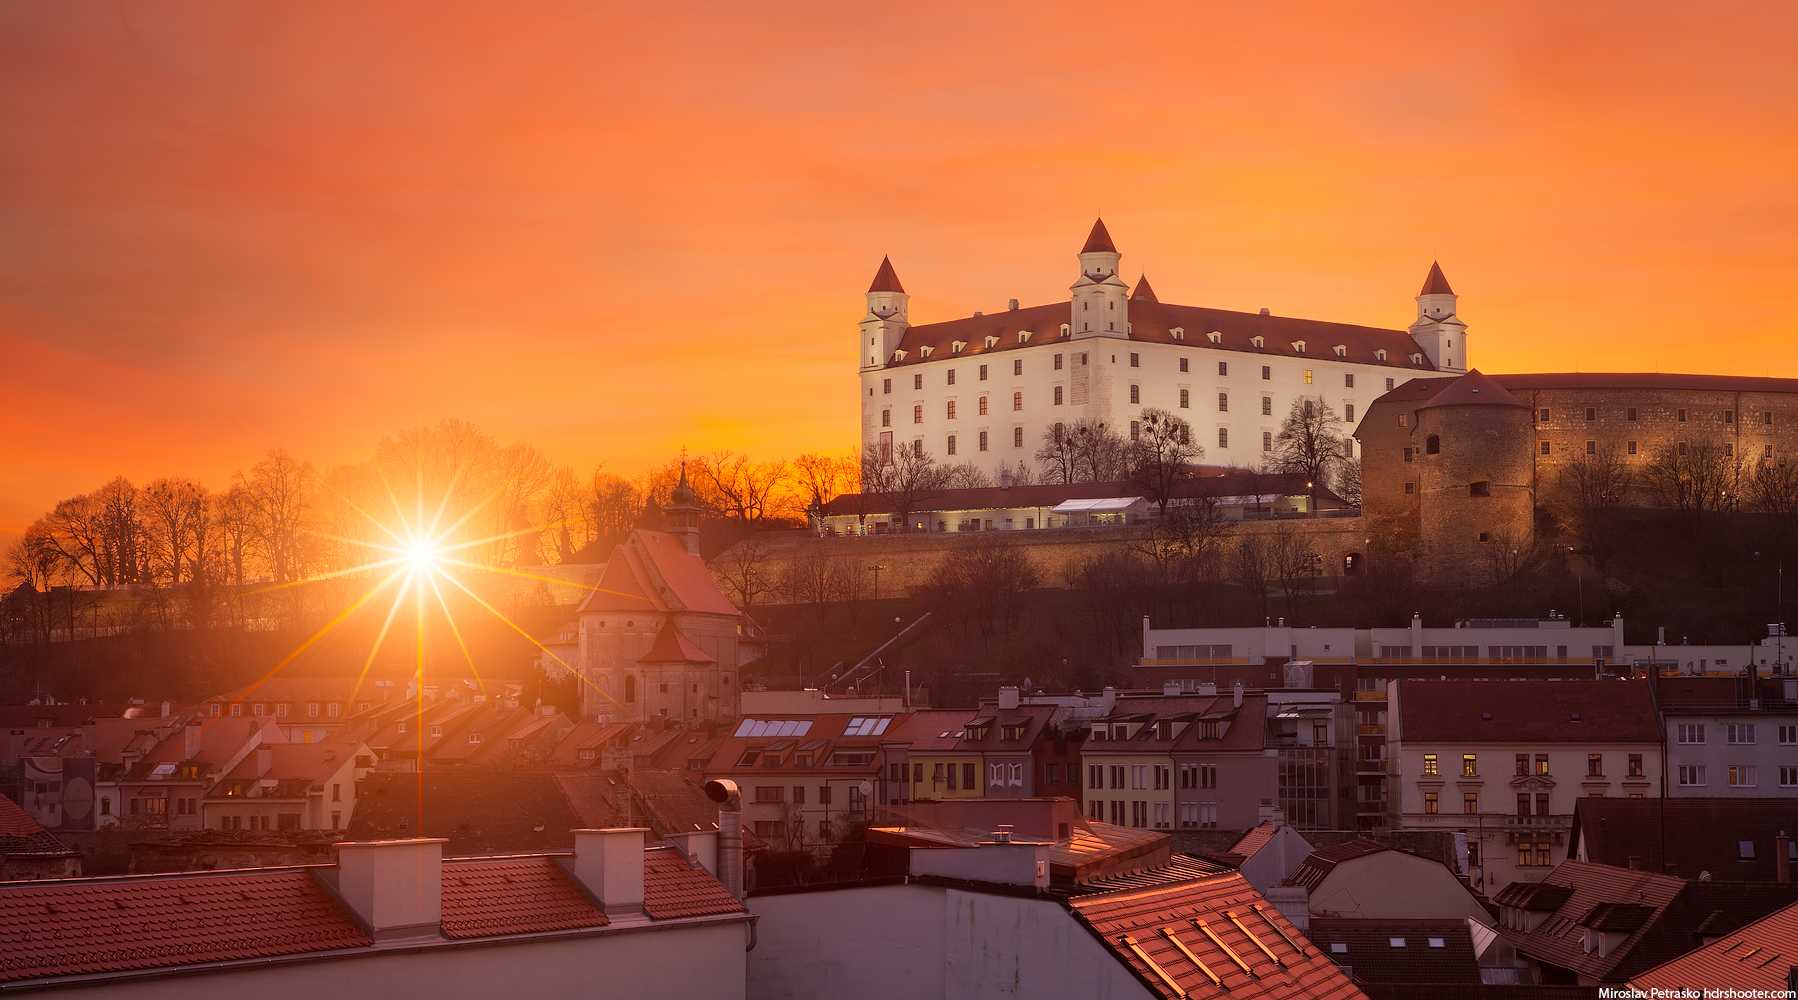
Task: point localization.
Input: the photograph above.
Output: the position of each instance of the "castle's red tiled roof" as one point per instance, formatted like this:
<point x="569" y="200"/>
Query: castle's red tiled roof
<point x="1474" y="389"/>
<point x="672" y="887"/>
<point x="885" y="279"/>
<point x="1099" y="240"/>
<point x="1646" y="380"/>
<point x="68" y="928"/>
<point x="1436" y="283"/>
<point x="512" y="896"/>
<point x="1135" y="927"/>
<point x="1142" y="292"/>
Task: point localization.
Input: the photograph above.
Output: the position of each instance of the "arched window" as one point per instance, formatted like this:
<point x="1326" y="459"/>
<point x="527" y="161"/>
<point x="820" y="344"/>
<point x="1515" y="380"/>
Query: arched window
<point x="1432" y="445"/>
<point x="630" y="688"/>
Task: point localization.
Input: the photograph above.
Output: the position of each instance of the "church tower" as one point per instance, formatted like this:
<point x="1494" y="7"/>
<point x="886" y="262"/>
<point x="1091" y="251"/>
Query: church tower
<point x="1437" y="329"/>
<point x="681" y="517"/>
<point x="1101" y="299"/>
<point x="885" y="324"/>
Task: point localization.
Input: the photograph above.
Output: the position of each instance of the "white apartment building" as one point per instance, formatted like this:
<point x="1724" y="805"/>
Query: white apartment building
<point x="985" y="388"/>
<point x="1728" y="737"/>
<point x="1505" y="762"/>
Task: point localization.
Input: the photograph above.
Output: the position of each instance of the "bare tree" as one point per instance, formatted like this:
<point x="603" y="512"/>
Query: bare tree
<point x="1023" y="474"/>
<point x="809" y="577"/>
<point x="1250" y="567"/>
<point x="235" y="514"/>
<point x="965" y="476"/>
<point x="559" y="511"/>
<point x="76" y="530"/>
<point x="983" y="580"/>
<point x="1773" y="488"/>
<point x="612" y="507"/>
<point x="1509" y="551"/>
<point x="525" y="475"/>
<point x="822" y="478"/>
<point x="745" y="490"/>
<point x="1695" y="475"/>
<point x="1085" y="451"/>
<point x="1187" y="533"/>
<point x="1160" y="455"/>
<point x="1347" y="482"/>
<point x="744" y="570"/>
<point x="122" y="552"/>
<point x="1587" y="489"/>
<point x="171" y="506"/>
<point x="1293" y="561"/>
<point x="906" y="478"/>
<point x="1310" y="442"/>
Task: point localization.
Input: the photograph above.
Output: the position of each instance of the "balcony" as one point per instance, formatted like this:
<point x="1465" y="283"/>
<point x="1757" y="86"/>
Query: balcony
<point x="1366" y="695"/>
<point x="1560" y="822"/>
<point x="1371" y="729"/>
<point x="1370" y="767"/>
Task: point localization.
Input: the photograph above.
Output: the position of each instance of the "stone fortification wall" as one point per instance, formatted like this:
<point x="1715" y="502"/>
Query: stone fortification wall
<point x="907" y="560"/>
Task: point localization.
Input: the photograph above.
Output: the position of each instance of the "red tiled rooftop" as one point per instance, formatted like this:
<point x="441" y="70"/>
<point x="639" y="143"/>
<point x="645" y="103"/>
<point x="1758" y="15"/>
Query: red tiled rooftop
<point x="15" y="821"/>
<point x="1145" y="918"/>
<point x="1532" y="711"/>
<point x="512" y="896"/>
<point x="1254" y="840"/>
<point x="672" y="887"/>
<point x="1756" y="957"/>
<point x="78" y="927"/>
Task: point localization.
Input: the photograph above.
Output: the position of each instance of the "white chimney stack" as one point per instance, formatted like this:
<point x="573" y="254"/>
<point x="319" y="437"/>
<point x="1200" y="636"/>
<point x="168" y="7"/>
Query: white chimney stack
<point x="700" y="847"/>
<point x="1008" y="698"/>
<point x="1170" y="689"/>
<point x="1238" y="692"/>
<point x="395" y="887"/>
<point x="610" y="864"/>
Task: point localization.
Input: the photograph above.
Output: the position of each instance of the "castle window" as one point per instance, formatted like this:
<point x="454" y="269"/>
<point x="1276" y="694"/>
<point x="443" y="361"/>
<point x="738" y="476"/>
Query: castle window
<point x="1729" y="450"/>
<point x="1058" y="362"/>
<point x="1183" y="364"/>
<point x="1185" y="434"/>
<point x="1267" y="440"/>
<point x="1729" y="416"/>
<point x="1223" y="437"/>
<point x="886" y="418"/>
<point x="951" y="444"/>
<point x="1017" y="437"/>
<point x="1542" y="417"/>
<point x="1417" y="359"/>
<point x="1591" y="447"/>
<point x="1017" y="401"/>
<point x="1402" y="418"/>
<point x="1545" y="448"/>
<point x="1185" y="399"/>
<point x="1267" y="406"/>
<point x="1307" y="376"/>
<point x="1632" y="447"/>
<point x="1223" y="402"/>
<point x="630" y="688"/>
<point x="917" y="448"/>
<point x="1135" y="360"/>
<point x="886" y="385"/>
<point x="1223" y="368"/>
<point x="956" y="346"/>
<point x="1484" y="537"/>
<point x="926" y="351"/>
<point x="983" y="406"/>
<point x="1380" y="355"/>
<point x="1767" y="454"/>
<point x="1407" y="454"/>
<point x="1017" y="367"/>
<point x="1348" y="411"/>
<point x="1591" y="413"/>
<point x="982" y="440"/>
<point x="1432" y="445"/>
<point x="1632" y="414"/>
<point x="1348" y="380"/>
<point x="917" y="381"/>
<point x="951" y="376"/>
<point x="1479" y="488"/>
<point x="1136" y="394"/>
<point x="992" y="340"/>
<point x="1267" y="373"/>
<point x="1135" y="429"/>
<point x="1682" y="415"/>
<point x="952" y="409"/>
<point x="917" y="414"/>
<point x="1410" y="488"/>
<point x="1767" y="417"/>
<point x="1058" y="395"/>
<point x="1681" y="447"/>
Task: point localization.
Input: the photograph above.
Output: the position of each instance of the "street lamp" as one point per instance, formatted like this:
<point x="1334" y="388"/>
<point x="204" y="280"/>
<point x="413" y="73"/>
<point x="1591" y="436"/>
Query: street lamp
<point x="877" y="568"/>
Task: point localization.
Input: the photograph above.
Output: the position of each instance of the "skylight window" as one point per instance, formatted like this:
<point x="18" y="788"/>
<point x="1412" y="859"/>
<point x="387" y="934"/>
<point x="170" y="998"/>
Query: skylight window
<point x="1338" y="948"/>
<point x="756" y="728"/>
<point x="1745" y="850"/>
<point x="1397" y="942"/>
<point x="867" y="725"/>
<point x="163" y="770"/>
<point x="1438" y="943"/>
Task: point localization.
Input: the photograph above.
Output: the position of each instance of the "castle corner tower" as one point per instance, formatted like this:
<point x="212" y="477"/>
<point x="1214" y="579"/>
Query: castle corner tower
<point x="1101" y="299"/>
<point x="885" y="324"/>
<point x="1437" y="329"/>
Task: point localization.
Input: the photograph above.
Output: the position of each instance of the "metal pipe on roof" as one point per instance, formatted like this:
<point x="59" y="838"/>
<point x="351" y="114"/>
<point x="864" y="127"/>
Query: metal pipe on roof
<point x="730" y="832"/>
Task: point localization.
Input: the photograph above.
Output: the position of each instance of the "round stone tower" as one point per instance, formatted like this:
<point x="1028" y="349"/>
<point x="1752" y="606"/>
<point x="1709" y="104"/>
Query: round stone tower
<point x="1474" y="477"/>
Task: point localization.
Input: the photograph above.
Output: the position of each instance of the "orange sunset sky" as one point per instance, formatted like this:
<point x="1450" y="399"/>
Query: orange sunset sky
<point x="616" y="229"/>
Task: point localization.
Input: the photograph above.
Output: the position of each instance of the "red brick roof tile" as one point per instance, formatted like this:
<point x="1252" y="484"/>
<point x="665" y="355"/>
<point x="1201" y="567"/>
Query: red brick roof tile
<point x="69" y="928"/>
<point x="1133" y="922"/>
<point x="1756" y="957"/>
<point x="16" y="822"/>
<point x="673" y="647"/>
<point x="512" y="896"/>
<point x="672" y="887"/>
<point x="1614" y="711"/>
<point x="1369" y="949"/>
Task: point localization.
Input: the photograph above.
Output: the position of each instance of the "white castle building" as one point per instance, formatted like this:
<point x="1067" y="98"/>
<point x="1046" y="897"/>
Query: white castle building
<point x="985" y="389"/>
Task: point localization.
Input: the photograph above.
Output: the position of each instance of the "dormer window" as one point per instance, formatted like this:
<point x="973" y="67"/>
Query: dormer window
<point x="1215" y="337"/>
<point x="898" y="355"/>
<point x="1178" y="333"/>
<point x="1024" y="335"/>
<point x="926" y="351"/>
<point x="1417" y="359"/>
<point x="1257" y="342"/>
<point x="1380" y="355"/>
<point x="992" y="341"/>
<point x="1341" y="350"/>
<point x="1298" y="347"/>
<point x="956" y="346"/>
<point x="1067" y="330"/>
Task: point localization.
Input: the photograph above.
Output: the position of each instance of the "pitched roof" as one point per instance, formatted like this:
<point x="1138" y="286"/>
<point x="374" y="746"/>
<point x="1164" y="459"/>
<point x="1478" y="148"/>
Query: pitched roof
<point x="1098" y="241"/>
<point x="22" y="836"/>
<point x="1254" y="840"/>
<point x="15" y="821"/>
<point x="1318" y="865"/>
<point x="296" y="762"/>
<point x="220" y="740"/>
<point x="1757" y="957"/>
<point x="1254" y="485"/>
<point x="1646" y="380"/>
<point x="585" y="736"/>
<point x="599" y="798"/>
<point x="1432" y="951"/>
<point x="1474" y="389"/>
<point x="653" y="571"/>
<point x="673" y="801"/>
<point x="1701" y="834"/>
<point x="931" y="730"/>
<point x="673" y="887"/>
<point x="512" y="896"/>
<point x="1435" y="283"/>
<point x="673" y="647"/>
<point x="1610" y="711"/>
<point x="79" y="927"/>
<point x="1659" y="914"/>
<point x="1142" y="292"/>
<point x="885" y="280"/>
<point x="478" y="813"/>
<point x="1135" y="926"/>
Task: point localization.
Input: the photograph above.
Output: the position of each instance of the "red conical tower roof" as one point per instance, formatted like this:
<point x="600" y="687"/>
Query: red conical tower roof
<point x="1436" y="284"/>
<point x="1474" y="389"/>
<point x="886" y="279"/>
<point x="1143" y="292"/>
<point x="1098" y="241"/>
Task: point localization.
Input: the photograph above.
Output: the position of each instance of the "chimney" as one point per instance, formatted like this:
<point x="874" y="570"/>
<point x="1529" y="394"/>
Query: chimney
<point x="1782" y="858"/>
<point x="1012" y="304"/>
<point x="1008" y="697"/>
<point x="265" y="759"/>
<point x="394" y="887"/>
<point x="1267" y="811"/>
<point x="1635" y="862"/>
<point x="700" y="847"/>
<point x="610" y="864"/>
<point x="1238" y="692"/>
<point x="191" y="740"/>
<point x="1005" y="479"/>
<point x="1170" y="689"/>
<point x="730" y="832"/>
<point x="1002" y="833"/>
<point x="165" y="709"/>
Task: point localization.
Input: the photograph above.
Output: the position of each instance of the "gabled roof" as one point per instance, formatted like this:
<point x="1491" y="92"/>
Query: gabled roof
<point x="1253" y="841"/>
<point x="1098" y="241"/>
<point x="1433" y="951"/>
<point x="673" y="647"/>
<point x="512" y="896"/>
<point x="71" y="927"/>
<point x="586" y="736"/>
<point x="674" y="801"/>
<point x="673" y="887"/>
<point x="220" y="740"/>
<point x="1757" y="957"/>
<point x="1135" y="926"/>
<point x="886" y="279"/>
<point x="478" y="813"/>
<point x="1610" y="711"/>
<point x="1435" y="283"/>
<point x="1659" y="914"/>
<point x="1319" y="864"/>
<point x="653" y="571"/>
<point x="312" y="762"/>
<point x="22" y="836"/>
<point x="1701" y="834"/>
<point x="931" y="730"/>
<point x="15" y="821"/>
<point x="1474" y="389"/>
